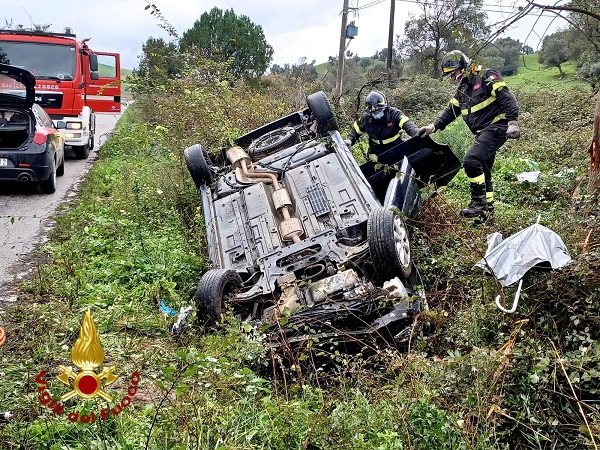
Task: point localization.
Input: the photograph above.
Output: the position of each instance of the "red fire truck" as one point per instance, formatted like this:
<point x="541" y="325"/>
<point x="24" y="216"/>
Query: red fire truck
<point x="73" y="83"/>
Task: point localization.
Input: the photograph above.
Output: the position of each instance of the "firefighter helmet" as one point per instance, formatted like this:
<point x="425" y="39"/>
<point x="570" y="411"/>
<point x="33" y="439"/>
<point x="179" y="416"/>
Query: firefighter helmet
<point x="454" y="61"/>
<point x="375" y="102"/>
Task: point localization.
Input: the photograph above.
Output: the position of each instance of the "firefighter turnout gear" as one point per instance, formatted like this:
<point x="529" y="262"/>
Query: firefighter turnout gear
<point x="491" y="112"/>
<point x="384" y="132"/>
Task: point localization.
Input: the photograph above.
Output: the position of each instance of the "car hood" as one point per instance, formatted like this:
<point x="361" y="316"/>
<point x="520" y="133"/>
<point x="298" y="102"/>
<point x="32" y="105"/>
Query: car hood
<point x="17" y="87"/>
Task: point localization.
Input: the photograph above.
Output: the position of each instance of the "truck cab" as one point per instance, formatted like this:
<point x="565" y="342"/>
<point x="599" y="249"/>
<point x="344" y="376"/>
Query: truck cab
<point x="73" y="82"/>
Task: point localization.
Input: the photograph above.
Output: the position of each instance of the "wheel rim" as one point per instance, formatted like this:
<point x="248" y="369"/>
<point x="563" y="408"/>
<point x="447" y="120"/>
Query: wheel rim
<point x="401" y="242"/>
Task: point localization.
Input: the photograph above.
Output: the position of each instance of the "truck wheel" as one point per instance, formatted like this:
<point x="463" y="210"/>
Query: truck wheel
<point x="271" y="142"/>
<point x="212" y="293"/>
<point x="81" y="151"/>
<point x="319" y="105"/>
<point x="389" y="244"/>
<point x="198" y="163"/>
<point x="49" y="186"/>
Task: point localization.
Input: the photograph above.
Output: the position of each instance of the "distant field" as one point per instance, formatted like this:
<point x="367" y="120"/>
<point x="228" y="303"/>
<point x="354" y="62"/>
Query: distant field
<point x="531" y="75"/>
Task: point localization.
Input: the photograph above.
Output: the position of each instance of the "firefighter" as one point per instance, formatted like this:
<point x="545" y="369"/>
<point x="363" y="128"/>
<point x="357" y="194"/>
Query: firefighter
<point x="383" y="123"/>
<point x="491" y="112"/>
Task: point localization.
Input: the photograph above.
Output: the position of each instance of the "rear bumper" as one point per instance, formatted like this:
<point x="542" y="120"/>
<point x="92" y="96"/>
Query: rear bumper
<point x="39" y="166"/>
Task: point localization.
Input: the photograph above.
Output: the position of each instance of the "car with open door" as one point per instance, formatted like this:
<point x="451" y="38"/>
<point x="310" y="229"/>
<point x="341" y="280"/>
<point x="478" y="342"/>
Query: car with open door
<point x="31" y="147"/>
<point x="296" y="230"/>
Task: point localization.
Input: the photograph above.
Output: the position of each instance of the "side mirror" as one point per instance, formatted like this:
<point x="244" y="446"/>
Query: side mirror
<point x="61" y="125"/>
<point x="94" y="75"/>
<point x="93" y="62"/>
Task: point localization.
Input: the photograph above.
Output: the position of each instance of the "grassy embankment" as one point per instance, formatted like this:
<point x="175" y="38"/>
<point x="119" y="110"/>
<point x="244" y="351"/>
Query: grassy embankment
<point x="478" y="380"/>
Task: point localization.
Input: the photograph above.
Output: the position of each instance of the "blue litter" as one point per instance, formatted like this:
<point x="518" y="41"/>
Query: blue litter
<point x="164" y="308"/>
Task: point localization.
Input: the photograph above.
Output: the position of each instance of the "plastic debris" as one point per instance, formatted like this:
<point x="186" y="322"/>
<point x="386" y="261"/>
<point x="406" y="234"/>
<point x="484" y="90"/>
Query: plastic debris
<point x="181" y="320"/>
<point x="167" y="310"/>
<point x="5" y="416"/>
<point x="530" y="177"/>
<point x="2" y="337"/>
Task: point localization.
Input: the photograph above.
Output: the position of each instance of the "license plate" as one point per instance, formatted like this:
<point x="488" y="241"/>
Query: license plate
<point x="3" y="162"/>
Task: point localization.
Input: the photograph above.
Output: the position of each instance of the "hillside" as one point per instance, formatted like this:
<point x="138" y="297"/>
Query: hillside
<point x="469" y="378"/>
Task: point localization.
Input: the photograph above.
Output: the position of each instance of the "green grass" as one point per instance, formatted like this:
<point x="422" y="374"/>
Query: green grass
<point x="531" y="75"/>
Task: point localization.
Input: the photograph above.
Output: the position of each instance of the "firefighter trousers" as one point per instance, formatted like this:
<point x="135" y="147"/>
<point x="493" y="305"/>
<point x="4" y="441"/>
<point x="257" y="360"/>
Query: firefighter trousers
<point x="480" y="158"/>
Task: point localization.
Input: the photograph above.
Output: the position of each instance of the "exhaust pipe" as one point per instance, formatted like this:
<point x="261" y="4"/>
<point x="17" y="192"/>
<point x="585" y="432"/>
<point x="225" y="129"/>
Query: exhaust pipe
<point x="24" y="178"/>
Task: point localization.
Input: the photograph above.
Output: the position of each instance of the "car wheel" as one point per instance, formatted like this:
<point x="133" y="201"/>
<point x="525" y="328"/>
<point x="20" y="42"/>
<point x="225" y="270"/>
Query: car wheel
<point x="81" y="151"/>
<point x="321" y="109"/>
<point x="213" y="289"/>
<point x="198" y="163"/>
<point x="60" y="170"/>
<point x="389" y="244"/>
<point x="49" y="186"/>
<point x="272" y="142"/>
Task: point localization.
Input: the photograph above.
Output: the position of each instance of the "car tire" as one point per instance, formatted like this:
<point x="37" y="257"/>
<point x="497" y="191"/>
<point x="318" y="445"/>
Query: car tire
<point x="198" y="164"/>
<point x="60" y="170"/>
<point x="319" y="105"/>
<point x="49" y="186"/>
<point x="213" y="289"/>
<point x="389" y="244"/>
<point x="81" y="151"/>
<point x="272" y="142"/>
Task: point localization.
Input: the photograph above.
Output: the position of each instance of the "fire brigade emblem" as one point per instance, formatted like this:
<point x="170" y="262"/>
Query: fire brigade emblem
<point x="87" y="354"/>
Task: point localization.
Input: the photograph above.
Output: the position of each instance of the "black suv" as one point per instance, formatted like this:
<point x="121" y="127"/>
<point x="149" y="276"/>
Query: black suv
<point x="297" y="229"/>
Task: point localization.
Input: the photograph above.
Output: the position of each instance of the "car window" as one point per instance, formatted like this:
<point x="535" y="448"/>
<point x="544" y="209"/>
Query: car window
<point x="42" y="116"/>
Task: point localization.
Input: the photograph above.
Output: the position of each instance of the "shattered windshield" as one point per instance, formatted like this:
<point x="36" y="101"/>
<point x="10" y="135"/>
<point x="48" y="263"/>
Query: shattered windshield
<point x="44" y="61"/>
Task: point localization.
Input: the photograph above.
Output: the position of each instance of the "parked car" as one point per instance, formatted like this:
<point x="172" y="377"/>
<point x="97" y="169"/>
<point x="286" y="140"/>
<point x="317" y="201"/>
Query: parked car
<point x="295" y="228"/>
<point x="31" y="148"/>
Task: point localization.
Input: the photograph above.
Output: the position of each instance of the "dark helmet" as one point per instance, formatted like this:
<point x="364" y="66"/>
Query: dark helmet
<point x="453" y="61"/>
<point x="375" y="102"/>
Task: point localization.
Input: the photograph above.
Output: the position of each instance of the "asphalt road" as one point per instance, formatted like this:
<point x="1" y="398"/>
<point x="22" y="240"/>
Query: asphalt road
<point x="26" y="214"/>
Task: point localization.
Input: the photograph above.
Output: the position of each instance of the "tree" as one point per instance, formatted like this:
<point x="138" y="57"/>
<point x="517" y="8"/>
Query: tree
<point x="443" y="25"/>
<point x="555" y="51"/>
<point x="527" y="50"/>
<point x="224" y="36"/>
<point x="502" y="55"/>
<point x="159" y="60"/>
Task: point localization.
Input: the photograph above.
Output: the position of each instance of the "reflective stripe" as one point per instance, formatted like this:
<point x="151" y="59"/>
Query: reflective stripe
<point x="489" y="196"/>
<point x="478" y="106"/>
<point x="403" y="121"/>
<point x="454" y="102"/>
<point x="479" y="179"/>
<point x="387" y="141"/>
<point x="357" y="129"/>
<point x="497" y="87"/>
<point x="499" y="117"/>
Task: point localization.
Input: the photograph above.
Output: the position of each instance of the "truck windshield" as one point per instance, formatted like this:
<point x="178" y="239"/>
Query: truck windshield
<point x="44" y="61"/>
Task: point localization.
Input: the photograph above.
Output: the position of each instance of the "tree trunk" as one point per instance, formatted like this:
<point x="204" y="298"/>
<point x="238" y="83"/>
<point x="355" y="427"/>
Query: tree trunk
<point x="562" y="74"/>
<point x="594" y="151"/>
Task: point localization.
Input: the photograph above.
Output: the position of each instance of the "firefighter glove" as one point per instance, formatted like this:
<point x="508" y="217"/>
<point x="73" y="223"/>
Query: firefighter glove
<point x="348" y="142"/>
<point x="426" y="130"/>
<point x="513" y="131"/>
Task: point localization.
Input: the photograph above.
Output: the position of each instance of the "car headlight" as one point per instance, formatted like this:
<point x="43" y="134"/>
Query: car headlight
<point x="72" y="135"/>
<point x="74" y="125"/>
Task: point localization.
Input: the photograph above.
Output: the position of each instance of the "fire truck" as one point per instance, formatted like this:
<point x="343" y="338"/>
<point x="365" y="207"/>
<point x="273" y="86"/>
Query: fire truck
<point x="73" y="82"/>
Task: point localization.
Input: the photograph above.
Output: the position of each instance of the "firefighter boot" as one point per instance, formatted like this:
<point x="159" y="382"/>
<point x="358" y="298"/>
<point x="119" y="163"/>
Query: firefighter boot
<point x="486" y="218"/>
<point x="478" y="206"/>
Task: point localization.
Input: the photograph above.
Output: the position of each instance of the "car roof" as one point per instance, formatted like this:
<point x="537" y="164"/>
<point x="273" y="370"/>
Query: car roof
<point x="17" y="87"/>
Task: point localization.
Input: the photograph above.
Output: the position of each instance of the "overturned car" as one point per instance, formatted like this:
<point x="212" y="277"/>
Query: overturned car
<point x="297" y="229"/>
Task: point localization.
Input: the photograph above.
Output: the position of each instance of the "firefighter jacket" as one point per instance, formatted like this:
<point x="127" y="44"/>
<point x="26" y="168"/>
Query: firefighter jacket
<point x="482" y="98"/>
<point x="383" y="133"/>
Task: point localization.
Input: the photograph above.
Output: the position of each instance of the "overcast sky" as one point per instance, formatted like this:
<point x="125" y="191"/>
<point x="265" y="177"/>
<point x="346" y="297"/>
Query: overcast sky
<point x="294" y="28"/>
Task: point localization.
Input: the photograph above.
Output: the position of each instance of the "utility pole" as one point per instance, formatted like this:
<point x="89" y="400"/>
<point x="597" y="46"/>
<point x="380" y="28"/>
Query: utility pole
<point x="390" y="41"/>
<point x="341" y="57"/>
